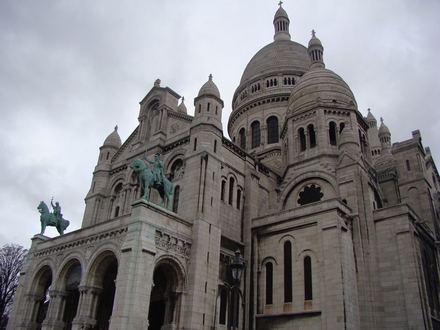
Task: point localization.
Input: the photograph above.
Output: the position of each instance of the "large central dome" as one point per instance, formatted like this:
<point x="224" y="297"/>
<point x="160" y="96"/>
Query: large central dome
<point x="279" y="56"/>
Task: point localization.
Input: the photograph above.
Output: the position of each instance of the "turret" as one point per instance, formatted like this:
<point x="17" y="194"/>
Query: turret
<point x="111" y="144"/>
<point x="208" y="105"/>
<point x="281" y="24"/>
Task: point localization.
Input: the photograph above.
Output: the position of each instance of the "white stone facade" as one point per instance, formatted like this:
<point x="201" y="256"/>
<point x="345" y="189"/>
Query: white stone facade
<point x="338" y="227"/>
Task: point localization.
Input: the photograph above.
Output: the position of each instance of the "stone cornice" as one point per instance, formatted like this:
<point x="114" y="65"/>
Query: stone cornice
<point x="104" y="236"/>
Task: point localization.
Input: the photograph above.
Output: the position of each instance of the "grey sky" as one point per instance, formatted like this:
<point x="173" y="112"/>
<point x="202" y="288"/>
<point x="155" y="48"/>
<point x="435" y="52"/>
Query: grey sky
<point x="72" y="70"/>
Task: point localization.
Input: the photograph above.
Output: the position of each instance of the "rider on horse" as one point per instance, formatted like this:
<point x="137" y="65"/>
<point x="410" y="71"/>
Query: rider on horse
<point x="56" y="210"/>
<point x="157" y="169"/>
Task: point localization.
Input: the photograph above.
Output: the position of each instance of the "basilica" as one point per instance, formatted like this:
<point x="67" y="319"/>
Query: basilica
<point x="308" y="216"/>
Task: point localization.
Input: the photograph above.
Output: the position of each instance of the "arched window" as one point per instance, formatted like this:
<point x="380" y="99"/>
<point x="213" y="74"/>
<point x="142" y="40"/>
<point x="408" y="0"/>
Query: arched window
<point x="308" y="292"/>
<point x="238" y="199"/>
<point x="332" y="133"/>
<point x="222" y="193"/>
<point x="231" y="190"/>
<point x="341" y="127"/>
<point x="312" y="137"/>
<point x="302" y="139"/>
<point x="269" y="283"/>
<point x="272" y="130"/>
<point x="287" y="272"/>
<point x="242" y="134"/>
<point x="256" y="138"/>
<point x="176" y="199"/>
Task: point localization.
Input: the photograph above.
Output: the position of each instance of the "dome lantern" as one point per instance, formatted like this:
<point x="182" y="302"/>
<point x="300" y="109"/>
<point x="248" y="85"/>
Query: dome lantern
<point x="316" y="51"/>
<point x="281" y="24"/>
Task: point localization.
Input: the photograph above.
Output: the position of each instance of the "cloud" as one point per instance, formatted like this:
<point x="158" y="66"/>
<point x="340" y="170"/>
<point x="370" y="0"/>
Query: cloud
<point x="71" y="71"/>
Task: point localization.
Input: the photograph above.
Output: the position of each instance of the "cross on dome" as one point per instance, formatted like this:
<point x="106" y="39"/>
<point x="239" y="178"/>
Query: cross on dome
<point x="313" y="33"/>
<point x="280" y="3"/>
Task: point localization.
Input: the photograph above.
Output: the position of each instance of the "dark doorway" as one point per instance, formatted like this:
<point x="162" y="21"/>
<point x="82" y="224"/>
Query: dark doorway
<point x="156" y="314"/>
<point x="107" y="296"/>
<point x="72" y="300"/>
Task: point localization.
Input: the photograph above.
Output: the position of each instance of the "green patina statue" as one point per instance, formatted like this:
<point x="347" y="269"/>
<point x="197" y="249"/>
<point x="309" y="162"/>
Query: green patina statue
<point x="54" y="219"/>
<point x="153" y="179"/>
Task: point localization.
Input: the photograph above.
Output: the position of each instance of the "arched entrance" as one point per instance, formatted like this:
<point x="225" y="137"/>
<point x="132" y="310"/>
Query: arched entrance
<point x="72" y="298"/>
<point x="40" y="294"/>
<point x="107" y="296"/>
<point x="165" y="297"/>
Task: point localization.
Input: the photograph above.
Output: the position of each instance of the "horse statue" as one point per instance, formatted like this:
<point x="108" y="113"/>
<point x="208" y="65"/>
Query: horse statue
<point x="148" y="180"/>
<point x="49" y="219"/>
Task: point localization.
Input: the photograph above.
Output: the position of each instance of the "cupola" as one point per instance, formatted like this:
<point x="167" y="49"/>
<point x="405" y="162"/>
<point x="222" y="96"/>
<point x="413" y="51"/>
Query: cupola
<point x="208" y="105"/>
<point x="316" y="51"/>
<point x="182" y="108"/>
<point x="281" y="24"/>
<point x="111" y="144"/>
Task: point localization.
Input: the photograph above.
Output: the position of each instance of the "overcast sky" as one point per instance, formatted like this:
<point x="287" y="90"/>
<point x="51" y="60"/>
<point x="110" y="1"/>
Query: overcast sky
<point x="72" y="70"/>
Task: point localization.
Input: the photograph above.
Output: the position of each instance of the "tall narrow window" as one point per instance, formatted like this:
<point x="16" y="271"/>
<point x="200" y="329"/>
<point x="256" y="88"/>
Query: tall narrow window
<point x="272" y="130"/>
<point x="332" y="133"/>
<point x="341" y="127"/>
<point x="215" y="146"/>
<point x="256" y="138"/>
<point x="223" y="306"/>
<point x="312" y="137"/>
<point x="302" y="139"/>
<point x="361" y="142"/>
<point x="117" y="211"/>
<point x="231" y="190"/>
<point x="269" y="283"/>
<point x="242" y="138"/>
<point x="222" y="193"/>
<point x="176" y="199"/>
<point x="408" y="166"/>
<point x="238" y="199"/>
<point x="195" y="144"/>
<point x="287" y="272"/>
<point x="308" y="293"/>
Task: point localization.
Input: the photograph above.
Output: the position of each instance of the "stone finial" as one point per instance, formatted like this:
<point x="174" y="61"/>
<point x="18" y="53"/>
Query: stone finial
<point x="116" y="128"/>
<point x="157" y="83"/>
<point x="280" y="3"/>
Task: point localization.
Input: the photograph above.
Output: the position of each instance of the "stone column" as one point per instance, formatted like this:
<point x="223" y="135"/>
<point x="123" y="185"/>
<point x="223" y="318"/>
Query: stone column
<point x="29" y="321"/>
<point x="54" y="318"/>
<point x="135" y="274"/>
<point x="87" y="306"/>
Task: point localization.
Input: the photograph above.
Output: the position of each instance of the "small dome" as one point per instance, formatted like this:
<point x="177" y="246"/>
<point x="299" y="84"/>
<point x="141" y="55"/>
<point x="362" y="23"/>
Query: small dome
<point x="209" y="88"/>
<point x="323" y="86"/>
<point x="347" y="139"/>
<point x="280" y="13"/>
<point x="314" y="42"/>
<point x="113" y="140"/>
<point x="383" y="129"/>
<point x="182" y="108"/>
<point x="370" y="116"/>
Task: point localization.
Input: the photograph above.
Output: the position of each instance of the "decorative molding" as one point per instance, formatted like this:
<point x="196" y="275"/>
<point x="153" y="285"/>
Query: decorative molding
<point x="110" y="235"/>
<point x="169" y="243"/>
